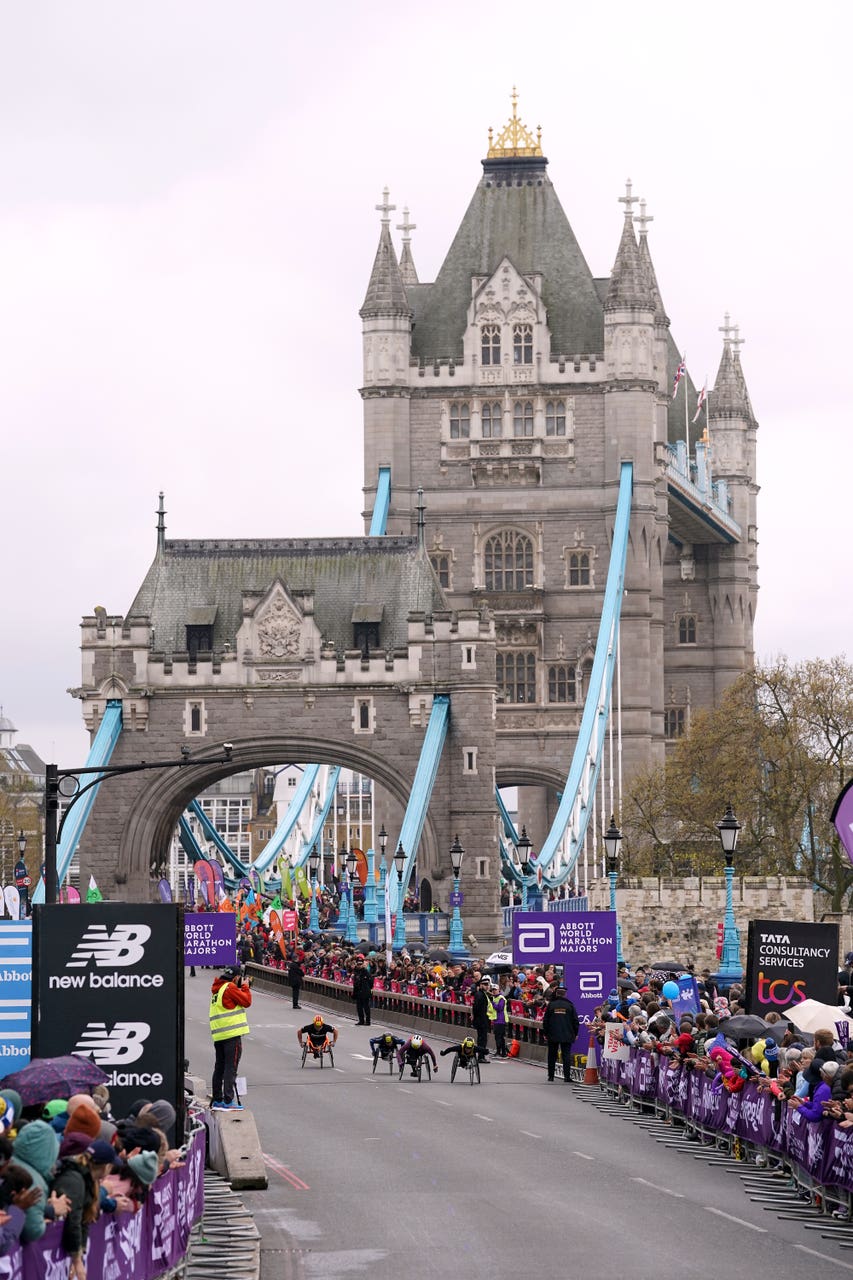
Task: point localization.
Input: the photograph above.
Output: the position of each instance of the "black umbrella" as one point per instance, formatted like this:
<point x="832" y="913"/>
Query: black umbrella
<point x="625" y="984"/>
<point x="436" y="953"/>
<point x="668" y="966"/>
<point x="364" y="947"/>
<point x="743" y="1026"/>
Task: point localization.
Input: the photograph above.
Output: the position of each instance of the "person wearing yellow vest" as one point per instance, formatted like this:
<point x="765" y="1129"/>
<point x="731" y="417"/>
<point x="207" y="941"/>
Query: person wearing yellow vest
<point x="230" y="997"/>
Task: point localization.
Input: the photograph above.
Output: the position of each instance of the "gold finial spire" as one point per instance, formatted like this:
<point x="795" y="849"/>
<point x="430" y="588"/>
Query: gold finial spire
<point x="515" y="139"/>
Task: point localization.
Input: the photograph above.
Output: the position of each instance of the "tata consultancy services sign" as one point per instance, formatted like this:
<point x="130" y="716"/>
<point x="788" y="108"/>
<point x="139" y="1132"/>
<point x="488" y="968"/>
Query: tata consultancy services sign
<point x="789" y="961"/>
<point x="583" y="943"/>
<point x="108" y="979"/>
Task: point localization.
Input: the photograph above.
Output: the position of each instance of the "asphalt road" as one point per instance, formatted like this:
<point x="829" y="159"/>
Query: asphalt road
<point x="370" y="1176"/>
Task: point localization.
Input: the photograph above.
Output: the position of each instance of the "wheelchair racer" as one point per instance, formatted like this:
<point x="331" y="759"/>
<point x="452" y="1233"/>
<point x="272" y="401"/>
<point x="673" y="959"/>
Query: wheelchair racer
<point x="385" y="1045"/>
<point x="412" y="1050"/>
<point x="465" y="1051"/>
<point x="318" y="1032"/>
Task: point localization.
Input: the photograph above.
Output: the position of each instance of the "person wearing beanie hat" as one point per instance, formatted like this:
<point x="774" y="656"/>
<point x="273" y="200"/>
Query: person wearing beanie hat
<point x="84" y="1119"/>
<point x="139" y="1105"/>
<point x="36" y="1150"/>
<point x="56" y="1107"/>
<point x="108" y="1131"/>
<point x="144" y="1167"/>
<point x="76" y="1180"/>
<point x="812" y="1109"/>
<point x="163" y="1113"/>
<point x="75" y="1144"/>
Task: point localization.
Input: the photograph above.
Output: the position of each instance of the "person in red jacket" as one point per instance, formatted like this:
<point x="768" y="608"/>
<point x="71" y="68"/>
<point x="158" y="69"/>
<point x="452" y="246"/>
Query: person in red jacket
<point x="230" y="997"/>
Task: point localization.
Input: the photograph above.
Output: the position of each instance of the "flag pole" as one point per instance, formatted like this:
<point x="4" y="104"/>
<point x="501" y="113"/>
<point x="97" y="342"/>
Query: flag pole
<point x="686" y="413"/>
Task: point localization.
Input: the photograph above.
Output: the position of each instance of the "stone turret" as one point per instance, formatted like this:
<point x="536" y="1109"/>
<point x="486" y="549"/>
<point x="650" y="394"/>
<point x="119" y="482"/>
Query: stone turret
<point x="387" y="334"/>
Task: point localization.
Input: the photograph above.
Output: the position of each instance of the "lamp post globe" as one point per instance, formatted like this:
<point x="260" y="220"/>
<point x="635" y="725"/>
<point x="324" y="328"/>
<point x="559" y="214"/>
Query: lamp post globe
<point x="313" y="864"/>
<point x="523" y="852"/>
<point x="351" y="934"/>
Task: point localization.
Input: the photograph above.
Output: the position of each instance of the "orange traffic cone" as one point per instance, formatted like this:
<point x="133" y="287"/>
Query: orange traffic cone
<point x="590" y="1076"/>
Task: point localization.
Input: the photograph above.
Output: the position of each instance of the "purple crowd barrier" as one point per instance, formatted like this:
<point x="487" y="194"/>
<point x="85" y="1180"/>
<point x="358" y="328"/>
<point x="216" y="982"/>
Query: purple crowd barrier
<point x="126" y="1246"/>
<point x="820" y="1148"/>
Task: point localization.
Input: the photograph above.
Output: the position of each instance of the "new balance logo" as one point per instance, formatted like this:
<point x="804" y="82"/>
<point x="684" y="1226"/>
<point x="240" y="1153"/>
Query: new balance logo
<point x="125" y="1043"/>
<point x="125" y="945"/>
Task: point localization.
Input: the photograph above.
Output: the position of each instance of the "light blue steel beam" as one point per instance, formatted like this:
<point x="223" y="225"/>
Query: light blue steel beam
<point x="99" y="754"/>
<point x="189" y="844"/>
<point x="211" y="834"/>
<point x="509" y="826"/>
<point x="416" y="809"/>
<point x="379" y="520"/>
<point x="283" y="831"/>
<point x="320" y="822"/>
<point x="575" y="807"/>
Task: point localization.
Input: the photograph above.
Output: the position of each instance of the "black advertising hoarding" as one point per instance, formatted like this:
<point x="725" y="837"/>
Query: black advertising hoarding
<point x="108" y="983"/>
<point x="788" y="961"/>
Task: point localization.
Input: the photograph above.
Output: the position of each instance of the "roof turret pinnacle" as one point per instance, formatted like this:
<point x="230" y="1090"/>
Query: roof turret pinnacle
<point x="161" y="525"/>
<point x="515" y="139"/>
<point x="629" y="281"/>
<point x="407" y="263"/>
<point x="642" y="220"/>
<point x="730" y="395"/>
<point x="386" y="295"/>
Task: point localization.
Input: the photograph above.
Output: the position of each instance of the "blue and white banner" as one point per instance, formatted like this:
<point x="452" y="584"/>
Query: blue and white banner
<point x="16" y="993"/>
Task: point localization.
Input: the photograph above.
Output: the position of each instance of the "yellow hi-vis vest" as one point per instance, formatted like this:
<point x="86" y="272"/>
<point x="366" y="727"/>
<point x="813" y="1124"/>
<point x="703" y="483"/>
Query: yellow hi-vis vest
<point x="225" y="1024"/>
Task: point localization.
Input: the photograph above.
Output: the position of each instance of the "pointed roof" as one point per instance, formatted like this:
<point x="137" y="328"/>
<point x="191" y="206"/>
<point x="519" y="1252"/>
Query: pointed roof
<point x="408" y="272"/>
<point x="643" y="219"/>
<point x="730" y="395"/>
<point x="630" y="285"/>
<point x="514" y="213"/>
<point x="386" y="294"/>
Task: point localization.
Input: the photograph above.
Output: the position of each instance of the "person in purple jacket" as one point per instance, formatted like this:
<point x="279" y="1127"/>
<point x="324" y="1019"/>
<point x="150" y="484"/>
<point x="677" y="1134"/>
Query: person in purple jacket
<point x="813" y="1108"/>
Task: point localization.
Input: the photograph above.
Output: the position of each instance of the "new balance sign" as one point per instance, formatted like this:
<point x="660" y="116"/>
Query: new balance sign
<point x="109" y="984"/>
<point x="124" y="946"/>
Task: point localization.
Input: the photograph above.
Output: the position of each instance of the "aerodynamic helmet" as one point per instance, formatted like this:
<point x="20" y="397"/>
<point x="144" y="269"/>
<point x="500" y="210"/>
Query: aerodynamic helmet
<point x="318" y="1020"/>
<point x="468" y="1044"/>
<point x="417" y="1041"/>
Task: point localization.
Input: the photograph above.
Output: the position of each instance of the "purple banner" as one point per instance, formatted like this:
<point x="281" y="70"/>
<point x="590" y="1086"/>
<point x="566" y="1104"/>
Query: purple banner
<point x="210" y="937"/>
<point x="126" y="1246"/>
<point x="842" y="817"/>
<point x="584" y="944"/>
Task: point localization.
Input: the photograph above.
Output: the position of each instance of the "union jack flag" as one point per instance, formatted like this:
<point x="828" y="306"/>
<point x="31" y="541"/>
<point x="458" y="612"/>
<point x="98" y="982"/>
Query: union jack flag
<point x="703" y="396"/>
<point x="679" y="374"/>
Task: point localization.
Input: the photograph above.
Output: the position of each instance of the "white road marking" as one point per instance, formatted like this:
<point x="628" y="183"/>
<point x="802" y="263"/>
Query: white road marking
<point x="825" y="1256"/>
<point x="489" y="1119"/>
<point x="655" y="1187"/>
<point x="363" y="1057"/>
<point x="403" y="1089"/>
<point x="438" y="1102"/>
<point x="742" y="1222"/>
<point x="528" y="1134"/>
<point x="583" y="1155"/>
<point x="371" y="1139"/>
<point x="339" y="1069"/>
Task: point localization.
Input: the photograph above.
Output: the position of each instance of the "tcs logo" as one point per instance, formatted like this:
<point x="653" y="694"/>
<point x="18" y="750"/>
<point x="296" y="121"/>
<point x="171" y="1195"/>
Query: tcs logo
<point x="780" y="991"/>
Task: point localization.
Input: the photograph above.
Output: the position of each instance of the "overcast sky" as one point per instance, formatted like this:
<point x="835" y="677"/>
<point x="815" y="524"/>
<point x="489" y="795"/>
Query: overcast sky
<point x="187" y="227"/>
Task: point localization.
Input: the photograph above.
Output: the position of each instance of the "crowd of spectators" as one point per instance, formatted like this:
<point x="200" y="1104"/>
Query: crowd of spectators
<point x="810" y="1073"/>
<point x="71" y="1160"/>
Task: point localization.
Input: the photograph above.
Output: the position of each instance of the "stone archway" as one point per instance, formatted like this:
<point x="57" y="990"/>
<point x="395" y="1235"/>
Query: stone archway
<point x="151" y="818"/>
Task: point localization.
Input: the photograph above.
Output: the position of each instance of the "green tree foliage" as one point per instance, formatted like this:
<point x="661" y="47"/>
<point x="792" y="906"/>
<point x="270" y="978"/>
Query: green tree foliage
<point x="779" y="748"/>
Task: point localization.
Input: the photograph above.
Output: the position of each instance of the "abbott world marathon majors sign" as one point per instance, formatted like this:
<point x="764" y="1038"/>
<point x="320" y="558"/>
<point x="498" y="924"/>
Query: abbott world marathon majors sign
<point x="789" y="961"/>
<point x="582" y="943"/>
<point x="108" y="983"/>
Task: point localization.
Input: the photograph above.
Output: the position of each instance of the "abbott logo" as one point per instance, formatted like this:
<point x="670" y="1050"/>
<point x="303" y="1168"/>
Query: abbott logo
<point x="535" y="937"/>
<point x="591" y="983"/>
<point x="123" y="1044"/>
<point x="125" y="945"/>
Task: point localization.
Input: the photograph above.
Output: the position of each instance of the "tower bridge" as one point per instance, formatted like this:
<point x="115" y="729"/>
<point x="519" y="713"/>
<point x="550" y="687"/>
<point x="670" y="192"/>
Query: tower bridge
<point x="536" y="588"/>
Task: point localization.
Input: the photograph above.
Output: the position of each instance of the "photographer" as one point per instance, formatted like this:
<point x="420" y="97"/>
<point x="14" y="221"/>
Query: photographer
<point x="229" y="1000"/>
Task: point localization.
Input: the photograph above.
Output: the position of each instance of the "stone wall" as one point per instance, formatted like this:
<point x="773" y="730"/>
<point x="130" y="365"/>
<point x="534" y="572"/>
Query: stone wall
<point x="665" y="919"/>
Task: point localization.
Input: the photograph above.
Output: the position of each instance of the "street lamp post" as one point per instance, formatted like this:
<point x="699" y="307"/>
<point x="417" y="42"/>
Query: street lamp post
<point x="343" y="898"/>
<point x="400" y="925"/>
<point x="66" y="783"/>
<point x="523" y="850"/>
<point x="313" y="864"/>
<point x="730" y="967"/>
<point x="456" y="946"/>
<point x="371" y="912"/>
<point x="612" y="840"/>
<point x="351" y="934"/>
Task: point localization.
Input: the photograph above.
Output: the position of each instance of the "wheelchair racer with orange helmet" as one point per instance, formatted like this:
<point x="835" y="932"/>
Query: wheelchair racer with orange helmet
<point x="318" y="1032"/>
<point x="412" y="1050"/>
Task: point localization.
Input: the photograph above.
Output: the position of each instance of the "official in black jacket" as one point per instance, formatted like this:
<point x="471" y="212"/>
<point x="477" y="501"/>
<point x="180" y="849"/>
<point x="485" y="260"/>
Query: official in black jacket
<point x="480" y="1017"/>
<point x="362" y="986"/>
<point x="560" y="1027"/>
<point x="296" y="976"/>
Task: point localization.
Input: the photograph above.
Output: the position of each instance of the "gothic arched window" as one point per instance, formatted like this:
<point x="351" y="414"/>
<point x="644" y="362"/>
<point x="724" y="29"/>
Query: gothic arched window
<point x="562" y="684"/>
<point x="687" y="628"/>
<point x="491" y="420"/>
<point x="490" y="343"/>
<point x="522" y="344"/>
<point x="579" y="569"/>
<point x="522" y="418"/>
<point x="515" y="675"/>
<point x="508" y="561"/>
<point x="460" y="420"/>
<point x="555" y="418"/>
